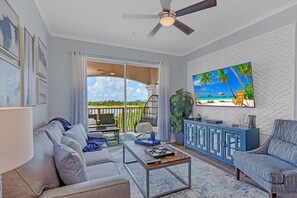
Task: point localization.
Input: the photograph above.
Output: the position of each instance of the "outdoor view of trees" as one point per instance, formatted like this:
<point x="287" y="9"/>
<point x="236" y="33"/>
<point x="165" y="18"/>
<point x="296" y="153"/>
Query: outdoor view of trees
<point x="112" y="103"/>
<point x="106" y="95"/>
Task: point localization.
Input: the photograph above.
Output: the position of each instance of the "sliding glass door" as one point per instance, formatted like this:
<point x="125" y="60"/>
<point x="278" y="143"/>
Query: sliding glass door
<point x="122" y="90"/>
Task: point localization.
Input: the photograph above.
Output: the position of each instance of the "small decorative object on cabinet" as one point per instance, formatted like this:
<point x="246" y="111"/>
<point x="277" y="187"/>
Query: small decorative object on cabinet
<point x="218" y="140"/>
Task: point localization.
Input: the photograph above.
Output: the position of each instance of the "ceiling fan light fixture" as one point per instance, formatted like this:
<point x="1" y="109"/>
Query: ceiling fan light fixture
<point x="167" y="18"/>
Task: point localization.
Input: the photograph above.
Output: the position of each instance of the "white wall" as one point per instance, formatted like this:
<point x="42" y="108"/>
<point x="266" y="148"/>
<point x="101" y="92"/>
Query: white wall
<point x="31" y="19"/>
<point x="60" y="65"/>
<point x="273" y="63"/>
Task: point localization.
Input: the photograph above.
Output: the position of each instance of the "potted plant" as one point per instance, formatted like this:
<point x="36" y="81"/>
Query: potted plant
<point x="181" y="107"/>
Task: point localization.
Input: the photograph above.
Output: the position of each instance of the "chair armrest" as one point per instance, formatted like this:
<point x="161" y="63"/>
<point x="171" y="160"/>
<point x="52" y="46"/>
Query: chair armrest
<point x="113" y="186"/>
<point x="290" y="180"/>
<point x="261" y="150"/>
<point x="95" y="134"/>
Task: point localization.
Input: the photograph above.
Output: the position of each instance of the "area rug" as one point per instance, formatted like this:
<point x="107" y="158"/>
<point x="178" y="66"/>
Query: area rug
<point x="207" y="180"/>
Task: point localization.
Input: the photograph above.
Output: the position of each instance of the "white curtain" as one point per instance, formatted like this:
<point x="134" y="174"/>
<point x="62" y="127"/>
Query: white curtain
<point x="163" y="104"/>
<point x="79" y="97"/>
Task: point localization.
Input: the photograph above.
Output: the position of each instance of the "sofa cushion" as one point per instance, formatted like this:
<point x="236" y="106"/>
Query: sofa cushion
<point x="97" y="157"/>
<point x="69" y="164"/>
<point x="268" y="167"/>
<point x="102" y="170"/>
<point x="75" y="134"/>
<point x="283" y="150"/>
<point x="30" y="179"/>
<point x="54" y="132"/>
<point x="82" y="130"/>
<point x="74" y="145"/>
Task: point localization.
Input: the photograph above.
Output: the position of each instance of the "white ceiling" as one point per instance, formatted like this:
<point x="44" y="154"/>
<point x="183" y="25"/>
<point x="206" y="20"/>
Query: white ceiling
<point x="101" y="21"/>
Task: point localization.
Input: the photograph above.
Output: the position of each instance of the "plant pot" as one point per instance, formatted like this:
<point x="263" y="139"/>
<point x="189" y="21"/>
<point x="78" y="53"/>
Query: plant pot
<point x="179" y="137"/>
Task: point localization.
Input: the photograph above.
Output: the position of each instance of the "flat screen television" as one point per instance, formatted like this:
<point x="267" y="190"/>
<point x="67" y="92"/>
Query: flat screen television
<point x="230" y="86"/>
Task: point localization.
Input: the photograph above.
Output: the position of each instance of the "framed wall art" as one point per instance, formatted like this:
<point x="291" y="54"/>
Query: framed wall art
<point x="41" y="54"/>
<point x="27" y="61"/>
<point x="9" y="30"/>
<point x="10" y="84"/>
<point x="41" y="91"/>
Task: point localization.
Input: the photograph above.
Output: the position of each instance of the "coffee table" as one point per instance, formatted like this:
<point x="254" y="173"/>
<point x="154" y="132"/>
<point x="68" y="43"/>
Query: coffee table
<point x="137" y="151"/>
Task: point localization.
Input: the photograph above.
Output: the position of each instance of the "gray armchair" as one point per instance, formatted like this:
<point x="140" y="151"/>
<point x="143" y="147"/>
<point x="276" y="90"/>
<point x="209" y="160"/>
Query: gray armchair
<point x="273" y="165"/>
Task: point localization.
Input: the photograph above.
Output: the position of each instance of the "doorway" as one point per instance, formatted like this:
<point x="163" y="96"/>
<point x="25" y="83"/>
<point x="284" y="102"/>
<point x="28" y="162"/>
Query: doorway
<point x="122" y="90"/>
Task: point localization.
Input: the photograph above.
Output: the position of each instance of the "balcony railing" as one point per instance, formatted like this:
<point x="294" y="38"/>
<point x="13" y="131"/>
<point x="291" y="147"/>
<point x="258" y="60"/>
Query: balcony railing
<point x="133" y="115"/>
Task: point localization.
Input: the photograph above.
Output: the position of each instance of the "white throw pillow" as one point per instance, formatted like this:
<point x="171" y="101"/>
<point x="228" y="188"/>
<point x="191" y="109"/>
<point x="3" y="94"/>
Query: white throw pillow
<point x="75" y="134"/>
<point x="54" y="132"/>
<point x="74" y="145"/>
<point x="69" y="164"/>
<point x="83" y="131"/>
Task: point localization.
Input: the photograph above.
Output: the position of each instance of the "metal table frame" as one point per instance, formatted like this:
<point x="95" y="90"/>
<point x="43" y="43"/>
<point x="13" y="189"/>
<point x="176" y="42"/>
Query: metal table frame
<point x="146" y="191"/>
<point x="114" y="130"/>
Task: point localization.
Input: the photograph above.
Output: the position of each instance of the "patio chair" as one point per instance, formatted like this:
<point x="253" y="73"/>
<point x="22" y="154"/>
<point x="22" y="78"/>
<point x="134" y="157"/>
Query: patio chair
<point x="93" y="121"/>
<point x="240" y="97"/>
<point x="274" y="165"/>
<point x="107" y="120"/>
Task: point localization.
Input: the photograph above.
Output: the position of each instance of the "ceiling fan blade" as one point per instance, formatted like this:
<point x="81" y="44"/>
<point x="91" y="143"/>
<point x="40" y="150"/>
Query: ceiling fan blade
<point x="155" y="30"/>
<point x="196" y="7"/>
<point x="165" y="5"/>
<point x="140" y="16"/>
<point x="183" y="27"/>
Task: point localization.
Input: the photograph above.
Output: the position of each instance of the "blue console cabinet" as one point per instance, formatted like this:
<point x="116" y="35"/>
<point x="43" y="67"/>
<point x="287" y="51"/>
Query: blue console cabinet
<point x="218" y="140"/>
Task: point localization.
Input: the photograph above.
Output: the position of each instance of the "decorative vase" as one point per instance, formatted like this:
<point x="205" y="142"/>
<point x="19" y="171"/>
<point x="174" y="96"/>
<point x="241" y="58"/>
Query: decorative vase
<point x="179" y="137"/>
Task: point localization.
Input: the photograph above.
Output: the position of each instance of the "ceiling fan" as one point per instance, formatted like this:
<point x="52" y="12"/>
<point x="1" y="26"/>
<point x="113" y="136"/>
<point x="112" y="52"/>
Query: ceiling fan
<point x="167" y="17"/>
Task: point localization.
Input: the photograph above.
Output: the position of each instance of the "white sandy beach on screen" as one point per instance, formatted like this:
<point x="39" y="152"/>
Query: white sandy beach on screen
<point x="249" y="103"/>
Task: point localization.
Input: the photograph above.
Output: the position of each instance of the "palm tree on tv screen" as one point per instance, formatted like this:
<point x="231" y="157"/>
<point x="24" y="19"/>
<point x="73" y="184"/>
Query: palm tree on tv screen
<point x="238" y="78"/>
<point x="205" y="79"/>
<point x="245" y="71"/>
<point x="224" y="79"/>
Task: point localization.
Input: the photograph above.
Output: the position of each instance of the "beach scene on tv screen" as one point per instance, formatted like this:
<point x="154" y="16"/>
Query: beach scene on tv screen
<point x="230" y="86"/>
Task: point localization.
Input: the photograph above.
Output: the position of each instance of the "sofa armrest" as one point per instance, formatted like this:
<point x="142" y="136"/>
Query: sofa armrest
<point x="114" y="186"/>
<point x="95" y="134"/>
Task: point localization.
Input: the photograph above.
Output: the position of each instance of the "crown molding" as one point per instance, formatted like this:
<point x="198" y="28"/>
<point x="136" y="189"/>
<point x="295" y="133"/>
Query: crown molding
<point x="95" y="41"/>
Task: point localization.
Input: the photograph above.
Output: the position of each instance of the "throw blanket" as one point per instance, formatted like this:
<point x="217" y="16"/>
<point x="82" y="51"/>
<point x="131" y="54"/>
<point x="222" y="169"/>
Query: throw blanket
<point x="64" y="122"/>
<point x="94" y="144"/>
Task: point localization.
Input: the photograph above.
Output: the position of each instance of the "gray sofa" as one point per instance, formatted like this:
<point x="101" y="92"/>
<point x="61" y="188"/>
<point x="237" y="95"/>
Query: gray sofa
<point x="39" y="177"/>
<point x="273" y="165"/>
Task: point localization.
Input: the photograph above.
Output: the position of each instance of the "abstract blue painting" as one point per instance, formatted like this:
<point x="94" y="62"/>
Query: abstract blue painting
<point x="10" y="84"/>
<point x="42" y="59"/>
<point x="28" y="82"/>
<point x="9" y="30"/>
